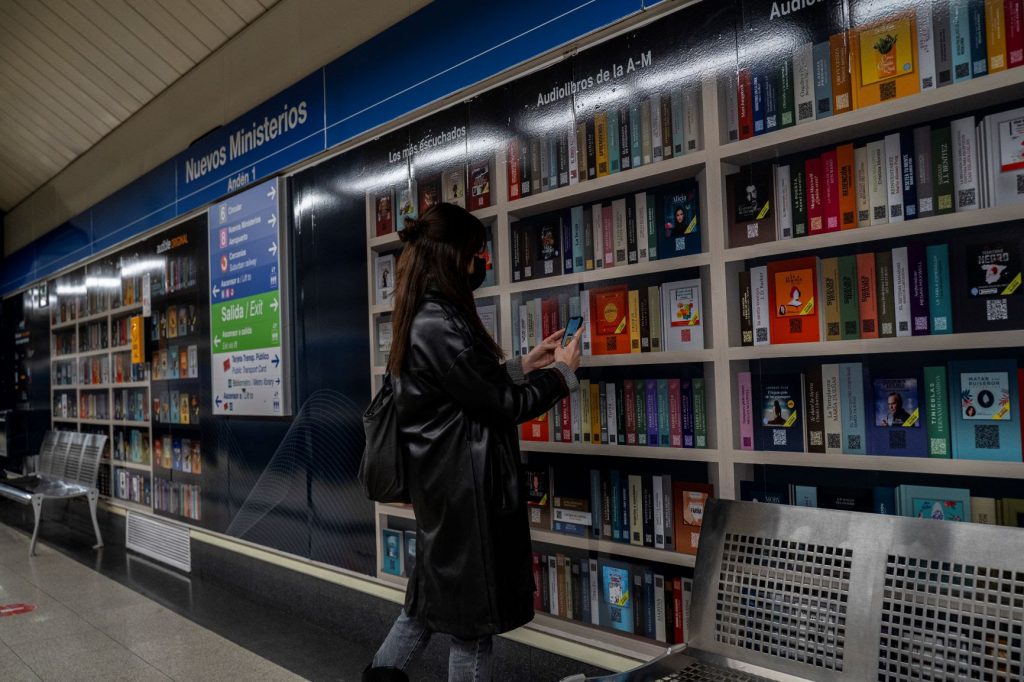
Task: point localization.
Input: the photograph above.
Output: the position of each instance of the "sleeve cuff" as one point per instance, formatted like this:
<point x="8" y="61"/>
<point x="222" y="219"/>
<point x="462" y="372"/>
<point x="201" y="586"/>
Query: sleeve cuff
<point x="514" y="367"/>
<point x="568" y="376"/>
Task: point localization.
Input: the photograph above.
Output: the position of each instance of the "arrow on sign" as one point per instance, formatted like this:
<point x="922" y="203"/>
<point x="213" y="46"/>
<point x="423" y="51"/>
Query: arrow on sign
<point x="276" y="361"/>
<point x="216" y="291"/>
<point x="274" y="305"/>
<point x="216" y="340"/>
<point x="217" y="401"/>
<point x="272" y="193"/>
<point x="273" y="248"/>
<point x="279" y="381"/>
<point x="273" y="220"/>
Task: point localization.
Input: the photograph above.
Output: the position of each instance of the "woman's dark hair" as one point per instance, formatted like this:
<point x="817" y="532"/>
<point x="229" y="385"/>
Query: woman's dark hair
<point x="438" y="248"/>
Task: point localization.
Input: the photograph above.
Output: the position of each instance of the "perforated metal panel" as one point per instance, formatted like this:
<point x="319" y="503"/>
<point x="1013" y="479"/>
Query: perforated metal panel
<point x="166" y="542"/>
<point x="89" y="462"/>
<point x="946" y="620"/>
<point x="784" y="599"/>
<point x="699" y="672"/>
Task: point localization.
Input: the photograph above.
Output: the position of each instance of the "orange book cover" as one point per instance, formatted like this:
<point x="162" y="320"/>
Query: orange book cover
<point x="847" y="187"/>
<point x="883" y="60"/>
<point x="867" y="296"/>
<point x="995" y="35"/>
<point x="839" y="51"/>
<point x="538" y="429"/>
<point x="609" y="315"/>
<point x="688" y="500"/>
<point x="792" y="299"/>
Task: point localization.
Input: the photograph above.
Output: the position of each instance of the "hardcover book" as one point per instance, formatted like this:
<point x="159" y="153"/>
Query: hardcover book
<point x="749" y="196"/>
<point x="936" y="396"/>
<point x="616" y="603"/>
<point x="883" y="58"/>
<point x="897" y="423"/>
<point x="453" y="186"/>
<point x="792" y="298"/>
<point x="383" y="203"/>
<point x="941" y="504"/>
<point x="984" y="410"/>
<point x="682" y="307"/>
<point x="609" y="312"/>
<point x="779" y="405"/>
<point x="680" y="231"/>
<point x="987" y="292"/>
<point x="851" y="398"/>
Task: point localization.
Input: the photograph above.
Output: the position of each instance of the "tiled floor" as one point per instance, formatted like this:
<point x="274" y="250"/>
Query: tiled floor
<point x="87" y="627"/>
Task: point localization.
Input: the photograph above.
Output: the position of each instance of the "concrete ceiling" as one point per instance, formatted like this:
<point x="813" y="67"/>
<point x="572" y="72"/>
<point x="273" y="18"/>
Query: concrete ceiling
<point x="73" y="70"/>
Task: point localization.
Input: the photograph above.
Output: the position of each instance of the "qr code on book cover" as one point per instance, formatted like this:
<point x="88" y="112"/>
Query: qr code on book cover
<point x="762" y="335"/>
<point x="752" y="230"/>
<point x="833" y="329"/>
<point x="685" y="335"/>
<point x="851" y="328"/>
<point x="1020" y="184"/>
<point x="816" y="438"/>
<point x="869" y="326"/>
<point x="904" y="327"/>
<point x="747" y="442"/>
<point x="805" y="110"/>
<point x="897" y="439"/>
<point x="887" y="90"/>
<point x="887" y="328"/>
<point x="796" y="325"/>
<point x="834" y="441"/>
<point x="778" y="437"/>
<point x="937" y="447"/>
<point x="996" y="309"/>
<point x="895" y="211"/>
<point x="986" y="437"/>
<point x="879" y="212"/>
<point x="941" y="324"/>
<point x="963" y="70"/>
<point x="966" y="197"/>
<point x="853" y="442"/>
<point x="843" y="102"/>
<point x="920" y="323"/>
<point x="928" y="82"/>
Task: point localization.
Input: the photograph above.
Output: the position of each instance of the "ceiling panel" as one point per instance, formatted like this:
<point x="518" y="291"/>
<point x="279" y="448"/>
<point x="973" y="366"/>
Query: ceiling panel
<point x="73" y="70"/>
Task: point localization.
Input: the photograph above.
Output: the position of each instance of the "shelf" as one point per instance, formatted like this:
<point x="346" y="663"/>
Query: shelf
<point x="127" y="465"/>
<point x="615" y="548"/>
<point x="399" y="580"/>
<point x="381" y="308"/>
<point x="959" y="98"/>
<point x="63" y="325"/>
<point x="166" y="379"/>
<point x="125" y="310"/>
<point x="909" y="228"/>
<point x="166" y="474"/>
<point x="384" y="242"/>
<point x="64" y="387"/>
<point x="485" y="214"/>
<point x="94" y="317"/>
<point x="98" y="351"/>
<point x="129" y="505"/>
<point x="66" y="420"/>
<point x="63" y="356"/>
<point x="487" y="292"/>
<point x="190" y="425"/>
<point x="127" y="422"/>
<point x="633" y="451"/>
<point x="872" y="463"/>
<point x="97" y="422"/>
<point x="616" y="184"/>
<point x="602" y="639"/>
<point x="630" y="359"/>
<point x="118" y="349"/>
<point x="130" y="384"/>
<point x="899" y="344"/>
<point x="616" y="272"/>
<point x="397" y="510"/>
<point x="378" y="370"/>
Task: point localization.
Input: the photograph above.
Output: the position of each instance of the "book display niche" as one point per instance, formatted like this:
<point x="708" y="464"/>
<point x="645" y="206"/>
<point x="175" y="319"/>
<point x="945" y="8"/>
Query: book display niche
<point x="793" y="237"/>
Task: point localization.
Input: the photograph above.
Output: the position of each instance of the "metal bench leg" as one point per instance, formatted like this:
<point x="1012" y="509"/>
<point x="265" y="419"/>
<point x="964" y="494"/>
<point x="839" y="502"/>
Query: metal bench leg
<point x="93" y="497"/>
<point x="37" y="508"/>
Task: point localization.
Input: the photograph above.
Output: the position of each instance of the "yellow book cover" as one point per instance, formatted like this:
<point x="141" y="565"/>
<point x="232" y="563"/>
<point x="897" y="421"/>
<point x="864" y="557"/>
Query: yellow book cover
<point x="595" y="412"/>
<point x="830" y="294"/>
<point x="601" y="142"/>
<point x="883" y="59"/>
<point x="183" y="410"/>
<point x="995" y="35"/>
<point x="634" y="320"/>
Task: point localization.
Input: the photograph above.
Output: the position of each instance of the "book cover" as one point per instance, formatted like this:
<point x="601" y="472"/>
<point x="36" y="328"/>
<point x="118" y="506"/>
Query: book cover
<point x="883" y="58"/>
<point x="846" y="498"/>
<point x="829" y="296"/>
<point x="680" y="230"/>
<point x="688" y="515"/>
<point x="1004" y="145"/>
<point x="830" y="191"/>
<point x="784" y="223"/>
<point x="894" y="177"/>
<point x="983" y="510"/>
<point x="428" y="193"/>
<point x="745" y="310"/>
<point x="780" y="423"/>
<point x="943" y="44"/>
<point x="851" y="399"/>
<point x="917" y="266"/>
<point x="862" y="185"/>
<point x="986" y="289"/>
<point x="847" y="187"/>
<point x="923" y="172"/>
<point x="941" y="504"/>
<point x="937" y="412"/>
<point x="700" y="413"/>
<point x="408" y="207"/>
<point x="867" y="297"/>
<point x="538" y="501"/>
<point x="391" y="551"/>
<point x="897" y="423"/>
<point x="960" y="39"/>
<point x="616" y="606"/>
<point x="745" y="396"/>
<point x="815" y="195"/>
<point x="1014" y="17"/>
<point x="815" y="413"/>
<point x="984" y="409"/>
<point x="453" y="186"/>
<point x="849" y="298"/>
<point x="798" y="198"/>
<point x="479" y="184"/>
<point x="792" y="299"/>
<point x="832" y="409"/>
<point x="978" y="33"/>
<point x="384" y="278"/>
<point x="942" y="174"/>
<point x="749" y="196"/>
<point x="885" y="294"/>
<point x="822" y="55"/>
<point x="965" y="164"/>
<point x="744" y="104"/>
<point x="804" y="495"/>
<point x="383" y="203"/>
<point x="877" y="194"/>
<point x="908" y="162"/>
<point x="682" y="306"/>
<point x="1011" y="512"/>
<point x="939" y="302"/>
<point x="760" y="491"/>
<point x="760" y="285"/>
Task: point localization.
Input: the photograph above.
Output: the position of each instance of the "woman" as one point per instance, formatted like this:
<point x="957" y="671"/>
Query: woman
<point x="458" y="408"/>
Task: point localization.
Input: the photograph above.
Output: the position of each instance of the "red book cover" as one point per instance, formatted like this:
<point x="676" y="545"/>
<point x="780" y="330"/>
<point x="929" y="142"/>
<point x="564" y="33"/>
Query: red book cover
<point x="537" y="595"/>
<point x="608" y="230"/>
<point x="629" y="397"/>
<point x="479" y="184"/>
<point x="609" y="320"/>
<point x="675" y="413"/>
<point x="538" y="429"/>
<point x="815" y="209"/>
<point x="677" y="610"/>
<point x="744" y="92"/>
<point x="383" y="209"/>
<point x="566" y="413"/>
<point x="1013" y="11"/>
<point x="830" y="191"/>
<point x="549" y="316"/>
<point x="847" y="187"/>
<point x="688" y="501"/>
<point x="867" y="297"/>
<point x="793" y="300"/>
<point x="514" y="178"/>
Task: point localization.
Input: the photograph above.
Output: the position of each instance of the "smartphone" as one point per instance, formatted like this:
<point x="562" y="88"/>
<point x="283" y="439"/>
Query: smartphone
<point x="570" y="330"/>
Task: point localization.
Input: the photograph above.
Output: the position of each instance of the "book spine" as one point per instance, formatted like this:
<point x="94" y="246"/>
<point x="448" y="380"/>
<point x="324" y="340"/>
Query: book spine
<point x="658" y="492"/>
<point x="663" y="413"/>
<point x="608" y="235"/>
<point x="893" y="178"/>
<point x="757" y="100"/>
<point x="535" y="167"/>
<point x="978" y="35"/>
<point x="1013" y="10"/>
<point x="669" y="511"/>
<point x="918" y="269"/>
<point x="634" y="320"/>
<point x="815" y="412"/>
<point x="943" y="44"/>
<point x="731" y="99"/>
<point x="611" y="401"/>
<point x="578" y="247"/>
<point x="831" y="408"/>
<point x="545" y="165"/>
<point x="677" y="609"/>
<point x="815" y="197"/>
<point x="925" y="46"/>
<point x="675" y="414"/>
<point x="562" y="157"/>
<point x="744" y="105"/>
<point x="657" y="129"/>
<point x="772" y="97"/>
<point x="995" y="35"/>
<point x="602" y="410"/>
<point x="686" y="412"/>
<point x="746" y="310"/>
<point x="616" y="506"/>
<point x="849" y="309"/>
<point x="847" y="187"/>
<point x="597" y="221"/>
<point x="862" y="185"/>
<point x="595" y="593"/>
<point x="647" y="487"/>
<point x="923" y="170"/>
<point x="839" y="53"/>
<point x="659" y="608"/>
<point x="514" y="158"/>
<point x="867" y="296"/>
<point x="591" y="148"/>
<point x="798" y="198"/>
<point x="851" y="380"/>
<point x="581" y="151"/>
<point x="759" y="293"/>
<point x="678" y="136"/>
<point x="784" y="209"/>
<point x="620" y="230"/>
<point x="639" y="233"/>
<point x="939" y="304"/>
<point x="640" y="407"/>
<point x="630" y="399"/>
<point x="576" y="420"/>
<point x="585" y="314"/>
<point x="901" y="291"/>
<point x="635" y="135"/>
<point x="651" y="411"/>
<point x="555" y="600"/>
<point x="960" y="37"/>
<point x="937" y="412"/>
<point x="596" y="501"/>
<point x="666" y="126"/>
<point x="803" y="82"/>
<point x="636" y="518"/>
<point x="625" y="137"/>
<point x="829" y="293"/>
<point x="746" y="410"/>
<point x="643" y="300"/>
<point x="885" y="292"/>
<point x="822" y="56"/>
<point x="614" y="159"/>
<point x="601" y="143"/>
<point x="573" y="155"/>
<point x="965" y="164"/>
<point x="787" y="94"/>
<point x="588" y="238"/>
<point x="830" y="191"/>
<point x="606" y="506"/>
<point x="700" y="413"/>
<point x="645" y="132"/>
<point x="908" y="162"/>
<point x="692" y="118"/>
<point x="877" y="187"/>
<point x="652" y="226"/>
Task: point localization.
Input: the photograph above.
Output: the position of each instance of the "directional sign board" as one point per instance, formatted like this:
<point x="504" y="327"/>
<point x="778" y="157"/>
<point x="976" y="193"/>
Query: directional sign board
<point x="246" y="304"/>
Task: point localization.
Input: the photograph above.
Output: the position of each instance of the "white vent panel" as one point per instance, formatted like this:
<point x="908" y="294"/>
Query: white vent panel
<point x="165" y="542"/>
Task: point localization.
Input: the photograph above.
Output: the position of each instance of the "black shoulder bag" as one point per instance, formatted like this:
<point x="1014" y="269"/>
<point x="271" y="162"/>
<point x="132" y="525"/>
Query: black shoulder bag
<point x="381" y="470"/>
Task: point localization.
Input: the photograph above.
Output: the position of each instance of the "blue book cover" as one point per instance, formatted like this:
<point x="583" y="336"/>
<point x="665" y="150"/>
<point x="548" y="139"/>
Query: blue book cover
<point x="940" y="307"/>
<point x="615" y="598"/>
<point x="664" y="438"/>
<point x="757" y="97"/>
<point x="822" y="80"/>
<point x="779" y="419"/>
<point x="680" y="229"/>
<point x="960" y="37"/>
<point x="941" y="504"/>
<point x="895" y="418"/>
<point x="595" y="503"/>
<point x="907" y="163"/>
<point x="624" y="507"/>
<point x="885" y="500"/>
<point x="805" y="496"/>
<point x="635" y="147"/>
<point x="616" y="506"/>
<point x="984" y="410"/>
<point x="585" y="589"/>
<point x="686" y="412"/>
<point x="755" y="491"/>
<point x="613" y="141"/>
<point x="651" y="408"/>
<point x="979" y="46"/>
<point x="391" y="551"/>
<point x="571" y="528"/>
<point x="772" y="97"/>
<point x="648" y="602"/>
<point x="851" y="401"/>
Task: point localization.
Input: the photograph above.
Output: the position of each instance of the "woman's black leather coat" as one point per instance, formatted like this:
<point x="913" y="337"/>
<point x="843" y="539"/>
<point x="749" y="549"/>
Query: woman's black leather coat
<point x="458" y="411"/>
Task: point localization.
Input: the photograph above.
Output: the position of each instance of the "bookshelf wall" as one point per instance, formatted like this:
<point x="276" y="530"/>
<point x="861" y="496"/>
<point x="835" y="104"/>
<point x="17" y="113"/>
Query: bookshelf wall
<point x="718" y="263"/>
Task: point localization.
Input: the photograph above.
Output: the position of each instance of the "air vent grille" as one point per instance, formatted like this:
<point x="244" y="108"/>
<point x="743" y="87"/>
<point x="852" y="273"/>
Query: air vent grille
<point x="164" y="542"/>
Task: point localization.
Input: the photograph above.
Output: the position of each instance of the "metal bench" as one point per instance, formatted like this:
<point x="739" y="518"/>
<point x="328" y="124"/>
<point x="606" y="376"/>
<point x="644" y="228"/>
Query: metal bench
<point x="793" y="593"/>
<point x="68" y="464"/>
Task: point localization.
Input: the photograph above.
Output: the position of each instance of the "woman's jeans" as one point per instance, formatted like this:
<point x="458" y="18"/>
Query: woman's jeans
<point x="468" y="660"/>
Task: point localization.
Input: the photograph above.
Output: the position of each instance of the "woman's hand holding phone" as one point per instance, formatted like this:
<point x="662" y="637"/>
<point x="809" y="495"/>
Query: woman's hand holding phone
<point x="571" y="353"/>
